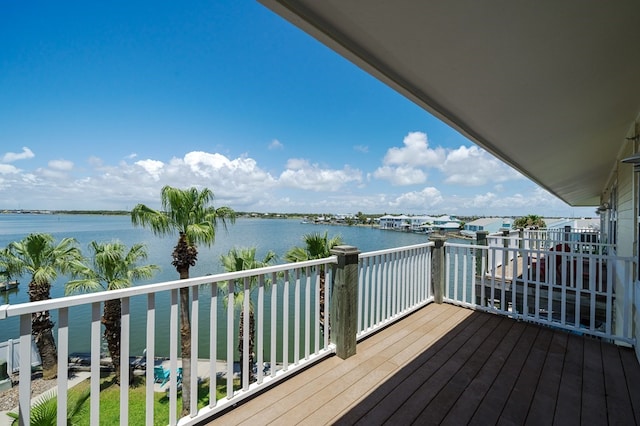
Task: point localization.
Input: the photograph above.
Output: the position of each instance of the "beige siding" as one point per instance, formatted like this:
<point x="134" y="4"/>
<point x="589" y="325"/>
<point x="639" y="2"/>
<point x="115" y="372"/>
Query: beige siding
<point x="623" y="177"/>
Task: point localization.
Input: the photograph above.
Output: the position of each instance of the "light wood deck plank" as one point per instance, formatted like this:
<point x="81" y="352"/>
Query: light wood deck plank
<point x="448" y="365"/>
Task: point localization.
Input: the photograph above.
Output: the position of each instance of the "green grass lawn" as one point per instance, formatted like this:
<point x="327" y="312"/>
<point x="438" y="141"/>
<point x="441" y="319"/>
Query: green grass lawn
<point x="110" y="401"/>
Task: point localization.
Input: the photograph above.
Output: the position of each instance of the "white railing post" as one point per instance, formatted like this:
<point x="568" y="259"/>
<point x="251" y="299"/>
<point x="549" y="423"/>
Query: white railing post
<point x="24" y="407"/>
<point x="344" y="304"/>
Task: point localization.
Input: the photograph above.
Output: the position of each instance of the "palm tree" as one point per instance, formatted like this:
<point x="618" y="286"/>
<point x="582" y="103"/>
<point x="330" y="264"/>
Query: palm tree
<point x="112" y="267"/>
<point x="39" y="256"/>
<point x="44" y="411"/>
<point x="317" y="246"/>
<point x="188" y="213"/>
<point x="531" y="221"/>
<point x="241" y="260"/>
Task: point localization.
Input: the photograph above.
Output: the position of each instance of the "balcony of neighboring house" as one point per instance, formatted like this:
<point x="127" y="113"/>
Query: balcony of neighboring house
<point x="432" y="333"/>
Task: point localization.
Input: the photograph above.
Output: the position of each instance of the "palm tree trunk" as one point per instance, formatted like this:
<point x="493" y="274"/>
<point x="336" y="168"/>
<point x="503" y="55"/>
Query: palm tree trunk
<point x="184" y="256"/>
<point x="185" y="347"/>
<point x="112" y="331"/>
<point x="322" y="300"/>
<point x="252" y="344"/>
<point x="41" y="329"/>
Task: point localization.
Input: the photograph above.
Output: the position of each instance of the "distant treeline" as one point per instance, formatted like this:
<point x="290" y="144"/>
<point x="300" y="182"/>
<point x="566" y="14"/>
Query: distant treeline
<point x="97" y="212"/>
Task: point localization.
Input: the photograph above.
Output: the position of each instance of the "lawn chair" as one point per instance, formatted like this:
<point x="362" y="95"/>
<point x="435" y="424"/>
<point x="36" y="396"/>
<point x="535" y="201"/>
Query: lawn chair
<point x="179" y="377"/>
<point x="160" y="375"/>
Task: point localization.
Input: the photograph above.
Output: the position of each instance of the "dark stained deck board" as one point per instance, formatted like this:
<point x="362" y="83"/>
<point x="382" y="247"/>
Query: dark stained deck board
<point x="448" y="395"/>
<point x="385" y="393"/>
<point x="469" y="399"/>
<point x="430" y="377"/>
<point x="632" y="374"/>
<point x="448" y="365"/>
<point x="494" y="401"/>
<point x="619" y="406"/>
<point x="543" y="406"/>
<point x="518" y="403"/>
<point x="568" y="406"/>
<point x="593" y="391"/>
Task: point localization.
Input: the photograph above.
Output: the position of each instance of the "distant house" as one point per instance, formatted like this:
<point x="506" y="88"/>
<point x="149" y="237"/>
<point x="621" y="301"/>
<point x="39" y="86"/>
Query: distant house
<point x="489" y="224"/>
<point x="587" y="224"/>
<point x="419" y="223"/>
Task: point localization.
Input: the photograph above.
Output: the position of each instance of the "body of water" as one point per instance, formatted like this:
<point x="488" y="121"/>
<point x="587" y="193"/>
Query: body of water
<point x="278" y="235"/>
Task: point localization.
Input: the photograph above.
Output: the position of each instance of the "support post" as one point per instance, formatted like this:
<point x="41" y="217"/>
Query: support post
<point x="437" y="266"/>
<point x="521" y="243"/>
<point x="344" y="301"/>
<point x="481" y="240"/>
<point x="505" y="238"/>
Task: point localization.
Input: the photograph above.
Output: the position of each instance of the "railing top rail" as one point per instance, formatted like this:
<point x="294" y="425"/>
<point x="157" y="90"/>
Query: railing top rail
<point x="396" y="249"/>
<point x="83" y="299"/>
<point x="462" y="245"/>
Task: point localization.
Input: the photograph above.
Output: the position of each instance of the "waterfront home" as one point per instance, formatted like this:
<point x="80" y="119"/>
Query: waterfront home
<point x="488" y="224"/>
<point x="403" y="222"/>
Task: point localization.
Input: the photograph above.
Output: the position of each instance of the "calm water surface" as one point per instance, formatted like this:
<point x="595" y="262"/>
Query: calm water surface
<point x="278" y="235"/>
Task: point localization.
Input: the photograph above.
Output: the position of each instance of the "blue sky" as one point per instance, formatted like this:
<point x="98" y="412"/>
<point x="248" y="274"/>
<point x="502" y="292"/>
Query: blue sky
<point x="103" y="103"/>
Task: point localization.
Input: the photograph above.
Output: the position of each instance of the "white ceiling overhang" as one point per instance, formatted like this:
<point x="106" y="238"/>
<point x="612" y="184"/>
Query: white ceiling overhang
<point x="550" y="88"/>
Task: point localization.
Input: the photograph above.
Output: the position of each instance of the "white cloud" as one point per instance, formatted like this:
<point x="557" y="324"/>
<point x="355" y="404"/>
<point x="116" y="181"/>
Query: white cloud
<point x="426" y="199"/>
<point x="7" y="169"/>
<point x="402" y="175"/>
<point x="95" y="161"/>
<point x="361" y="148"/>
<point x="61" y="165"/>
<point x="13" y="156"/>
<point x="241" y="183"/>
<point x="303" y="175"/>
<point x="153" y="167"/>
<point x="297" y="163"/>
<point x="473" y="166"/>
<point x="404" y="166"/>
<point x="416" y="152"/>
<point x="276" y="144"/>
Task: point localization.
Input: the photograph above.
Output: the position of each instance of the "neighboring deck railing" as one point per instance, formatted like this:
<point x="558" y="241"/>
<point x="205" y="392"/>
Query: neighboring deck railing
<point x="569" y="289"/>
<point x="392" y="283"/>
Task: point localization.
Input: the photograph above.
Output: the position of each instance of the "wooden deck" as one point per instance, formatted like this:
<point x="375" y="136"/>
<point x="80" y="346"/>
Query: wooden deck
<point x="449" y="365"/>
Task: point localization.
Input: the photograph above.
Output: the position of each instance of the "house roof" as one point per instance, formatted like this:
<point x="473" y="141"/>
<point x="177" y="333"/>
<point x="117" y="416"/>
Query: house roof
<point x="484" y="221"/>
<point x="551" y="90"/>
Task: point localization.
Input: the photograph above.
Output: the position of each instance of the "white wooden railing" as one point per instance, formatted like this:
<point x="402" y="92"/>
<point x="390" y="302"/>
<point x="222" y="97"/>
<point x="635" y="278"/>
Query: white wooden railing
<point x="11" y="351"/>
<point x="391" y="284"/>
<point x="286" y="306"/>
<point x="567" y="289"/>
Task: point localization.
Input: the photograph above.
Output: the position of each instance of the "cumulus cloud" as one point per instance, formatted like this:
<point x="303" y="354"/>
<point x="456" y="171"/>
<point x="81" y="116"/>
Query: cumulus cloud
<point x="303" y="175"/>
<point x="428" y="198"/>
<point x="402" y="175"/>
<point x="404" y="165"/>
<point x="61" y="165"/>
<point x="95" y="161"/>
<point x="297" y="163"/>
<point x="6" y="169"/>
<point x="415" y="152"/>
<point x="536" y="200"/>
<point x="153" y="167"/>
<point x="473" y="166"/>
<point x="10" y="157"/>
<point x="276" y="144"/>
